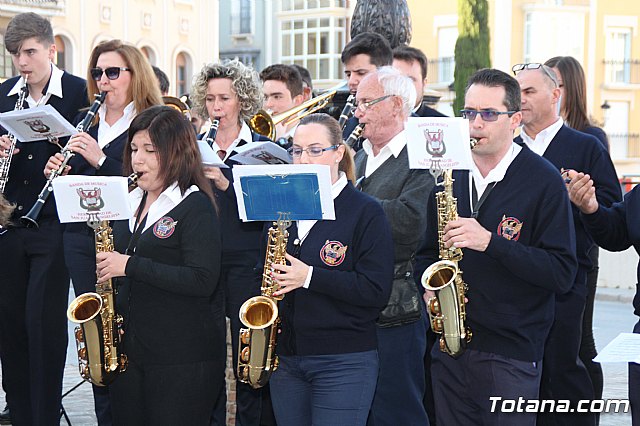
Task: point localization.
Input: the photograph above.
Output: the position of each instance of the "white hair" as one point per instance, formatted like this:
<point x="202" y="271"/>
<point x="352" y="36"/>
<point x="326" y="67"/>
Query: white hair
<point x="397" y="84"/>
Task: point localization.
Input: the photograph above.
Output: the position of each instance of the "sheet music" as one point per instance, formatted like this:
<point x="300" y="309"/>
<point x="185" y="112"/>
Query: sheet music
<point x="36" y="124"/>
<point x="624" y="348"/>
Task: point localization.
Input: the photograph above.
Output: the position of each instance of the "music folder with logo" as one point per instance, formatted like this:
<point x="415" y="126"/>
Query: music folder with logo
<point x="84" y="198"/>
<point x="36" y="124"/>
<point x="438" y="142"/>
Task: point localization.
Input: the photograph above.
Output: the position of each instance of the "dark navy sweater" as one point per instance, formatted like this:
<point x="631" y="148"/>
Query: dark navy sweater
<point x="239" y="238"/>
<point x="571" y="149"/>
<point x="26" y="175"/>
<point x="617" y="228"/>
<point x="352" y="259"/>
<point x="530" y="258"/>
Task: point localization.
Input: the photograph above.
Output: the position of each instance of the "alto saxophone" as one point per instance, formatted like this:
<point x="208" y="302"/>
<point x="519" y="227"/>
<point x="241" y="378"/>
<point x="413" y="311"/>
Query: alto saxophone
<point x="5" y="163"/>
<point x="99" y="331"/>
<point x="447" y="310"/>
<point x="257" y="357"/>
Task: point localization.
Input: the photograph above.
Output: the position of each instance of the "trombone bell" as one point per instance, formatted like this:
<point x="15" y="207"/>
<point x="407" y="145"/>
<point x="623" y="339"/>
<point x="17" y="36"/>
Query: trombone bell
<point x="265" y="124"/>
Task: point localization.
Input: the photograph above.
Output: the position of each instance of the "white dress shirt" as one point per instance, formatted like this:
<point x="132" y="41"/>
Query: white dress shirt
<point x="168" y="199"/>
<point x="494" y="176"/>
<point x="394" y="147"/>
<point x="54" y="87"/>
<point x="107" y="133"/>
<point x="245" y="135"/>
<point x="543" y="139"/>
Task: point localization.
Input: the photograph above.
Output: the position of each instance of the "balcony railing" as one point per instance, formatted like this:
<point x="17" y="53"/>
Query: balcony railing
<point x="621" y="71"/>
<point x="440" y="70"/>
<point x="619" y="141"/>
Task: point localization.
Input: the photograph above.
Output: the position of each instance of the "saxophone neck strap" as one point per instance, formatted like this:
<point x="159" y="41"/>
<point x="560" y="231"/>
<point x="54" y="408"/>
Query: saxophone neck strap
<point x="139" y="226"/>
<point x="475" y="203"/>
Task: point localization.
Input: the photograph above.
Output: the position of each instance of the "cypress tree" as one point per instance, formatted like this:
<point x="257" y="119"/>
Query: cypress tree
<point x="472" y="46"/>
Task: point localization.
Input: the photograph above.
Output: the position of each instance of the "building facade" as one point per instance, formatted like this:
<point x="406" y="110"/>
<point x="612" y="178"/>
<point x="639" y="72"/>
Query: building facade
<point x="178" y="36"/>
<point x="602" y="35"/>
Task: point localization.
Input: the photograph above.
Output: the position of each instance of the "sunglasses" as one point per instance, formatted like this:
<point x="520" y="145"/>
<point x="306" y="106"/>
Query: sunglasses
<point x="534" y="66"/>
<point x="112" y="73"/>
<point x="471" y="114"/>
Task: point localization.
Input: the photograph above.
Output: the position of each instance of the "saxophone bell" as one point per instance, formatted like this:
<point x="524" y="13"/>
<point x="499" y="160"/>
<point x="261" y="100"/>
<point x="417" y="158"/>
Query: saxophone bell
<point x="257" y="358"/>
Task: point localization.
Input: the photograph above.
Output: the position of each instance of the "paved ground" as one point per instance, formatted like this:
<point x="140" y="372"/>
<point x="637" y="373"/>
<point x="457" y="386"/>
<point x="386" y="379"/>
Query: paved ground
<point x="613" y="315"/>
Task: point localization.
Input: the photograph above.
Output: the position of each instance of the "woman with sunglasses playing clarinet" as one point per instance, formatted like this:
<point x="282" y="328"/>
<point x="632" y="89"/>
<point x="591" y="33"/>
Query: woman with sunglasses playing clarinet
<point x="124" y="74"/>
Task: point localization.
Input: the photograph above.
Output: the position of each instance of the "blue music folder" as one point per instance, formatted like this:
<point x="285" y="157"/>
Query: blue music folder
<point x="297" y="192"/>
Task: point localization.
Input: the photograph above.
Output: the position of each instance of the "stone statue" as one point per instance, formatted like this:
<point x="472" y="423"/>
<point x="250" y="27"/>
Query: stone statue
<point x="389" y="18"/>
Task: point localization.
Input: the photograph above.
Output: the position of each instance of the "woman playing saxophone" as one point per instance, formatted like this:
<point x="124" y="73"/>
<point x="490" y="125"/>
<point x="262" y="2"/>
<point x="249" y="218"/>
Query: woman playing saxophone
<point x="169" y="258"/>
<point x="337" y="280"/>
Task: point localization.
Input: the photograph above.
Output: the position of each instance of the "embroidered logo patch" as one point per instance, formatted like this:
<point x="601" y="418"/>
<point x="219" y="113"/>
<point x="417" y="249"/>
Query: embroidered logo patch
<point x="164" y="227"/>
<point x="509" y="228"/>
<point x="332" y="253"/>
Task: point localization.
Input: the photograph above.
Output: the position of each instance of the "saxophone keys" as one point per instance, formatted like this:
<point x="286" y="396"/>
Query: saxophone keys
<point x="437" y="324"/>
<point x="78" y="334"/>
<point x="434" y="306"/>
<point x="244" y="354"/>
<point x="245" y="336"/>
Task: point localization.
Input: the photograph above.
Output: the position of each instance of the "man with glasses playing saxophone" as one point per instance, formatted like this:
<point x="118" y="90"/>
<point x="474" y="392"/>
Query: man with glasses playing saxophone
<point x="34" y="283"/>
<point x="516" y="233"/>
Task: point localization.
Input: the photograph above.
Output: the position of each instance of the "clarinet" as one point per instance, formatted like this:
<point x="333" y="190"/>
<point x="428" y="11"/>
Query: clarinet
<point x="210" y="138"/>
<point x="347" y="111"/>
<point x="30" y="220"/>
<point x="5" y="163"/>
<point x="354" y="136"/>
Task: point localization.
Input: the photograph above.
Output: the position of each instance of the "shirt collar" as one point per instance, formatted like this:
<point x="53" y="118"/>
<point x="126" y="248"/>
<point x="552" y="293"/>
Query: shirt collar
<point x="545" y="136"/>
<point x="55" y="83"/>
<point x="395" y="145"/>
<point x="244" y="135"/>
<point x="500" y="170"/>
<point x="168" y="199"/>
<point x="340" y="184"/>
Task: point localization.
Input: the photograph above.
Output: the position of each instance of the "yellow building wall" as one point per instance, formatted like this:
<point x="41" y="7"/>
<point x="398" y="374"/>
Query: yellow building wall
<point x="424" y="14"/>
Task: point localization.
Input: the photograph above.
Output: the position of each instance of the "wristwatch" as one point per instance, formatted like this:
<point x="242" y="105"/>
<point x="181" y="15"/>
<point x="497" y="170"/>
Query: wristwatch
<point x="101" y="161"/>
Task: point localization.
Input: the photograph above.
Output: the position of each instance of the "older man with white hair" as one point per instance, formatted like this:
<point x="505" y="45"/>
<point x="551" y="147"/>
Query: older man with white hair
<point x="384" y="102"/>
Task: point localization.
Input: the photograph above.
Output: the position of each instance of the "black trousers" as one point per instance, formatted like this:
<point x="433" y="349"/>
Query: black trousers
<point x="588" y="349"/>
<point x="463" y="388"/>
<point x="175" y="394"/>
<point x="634" y="386"/>
<point x="253" y="406"/>
<point x="564" y="376"/>
<point x="34" y="289"/>
<point x="80" y="258"/>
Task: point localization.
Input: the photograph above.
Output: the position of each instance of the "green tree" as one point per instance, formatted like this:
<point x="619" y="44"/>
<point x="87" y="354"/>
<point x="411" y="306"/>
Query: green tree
<point x="472" y="46"/>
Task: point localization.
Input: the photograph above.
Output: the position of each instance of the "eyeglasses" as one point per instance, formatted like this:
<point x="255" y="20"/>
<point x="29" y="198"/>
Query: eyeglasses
<point x="314" y="151"/>
<point x="364" y="106"/>
<point x="112" y="72"/>
<point x="534" y="66"/>
<point x="471" y="114"/>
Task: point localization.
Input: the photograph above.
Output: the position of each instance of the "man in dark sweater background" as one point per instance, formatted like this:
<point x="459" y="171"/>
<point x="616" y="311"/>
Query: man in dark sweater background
<point x="544" y="132"/>
<point x="412" y="62"/>
<point x="516" y="233"/>
<point x="385" y="98"/>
